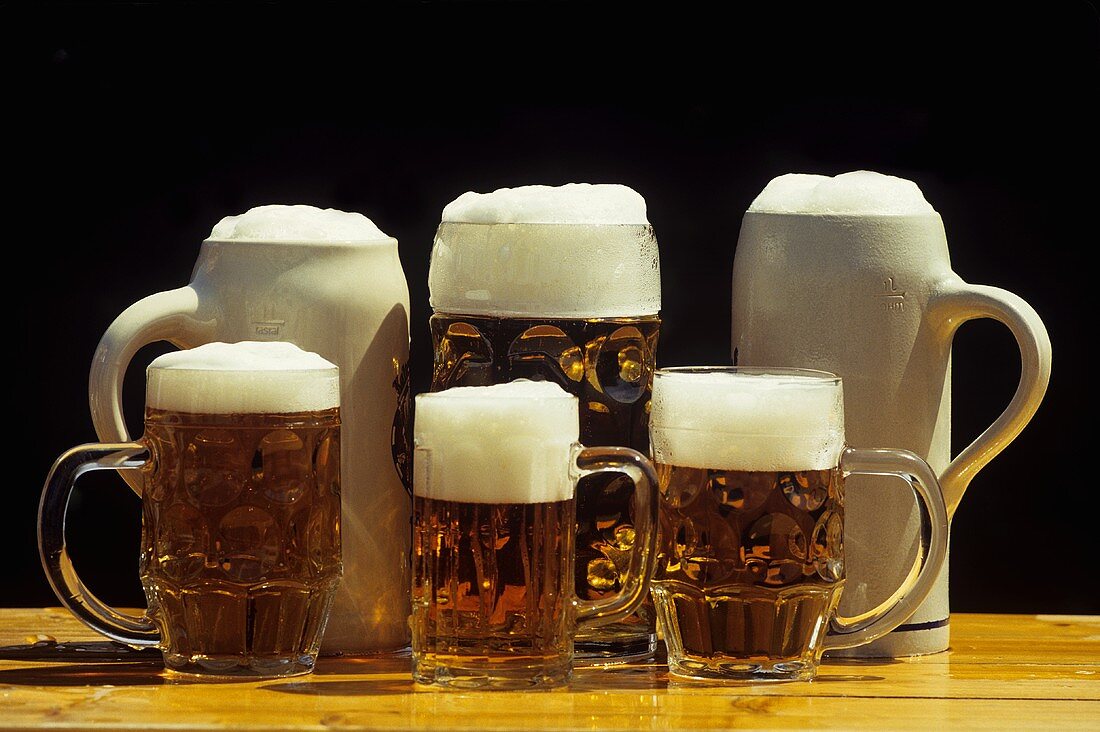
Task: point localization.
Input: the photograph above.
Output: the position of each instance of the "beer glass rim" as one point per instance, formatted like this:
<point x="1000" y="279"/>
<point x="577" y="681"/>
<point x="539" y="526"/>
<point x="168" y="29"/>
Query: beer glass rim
<point x="498" y="397"/>
<point x="823" y="377"/>
<point x="587" y="224"/>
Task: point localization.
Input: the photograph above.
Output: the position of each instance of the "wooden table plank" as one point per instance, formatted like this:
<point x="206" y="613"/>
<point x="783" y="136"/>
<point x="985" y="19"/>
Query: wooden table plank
<point x="1003" y="671"/>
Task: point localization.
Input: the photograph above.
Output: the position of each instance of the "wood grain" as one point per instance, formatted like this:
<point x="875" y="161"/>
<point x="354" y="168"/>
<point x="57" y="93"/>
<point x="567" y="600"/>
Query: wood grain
<point x="1003" y="671"/>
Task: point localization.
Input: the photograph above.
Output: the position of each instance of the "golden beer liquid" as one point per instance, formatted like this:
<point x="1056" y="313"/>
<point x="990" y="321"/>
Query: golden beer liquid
<point x="607" y="363"/>
<point x="241" y="537"/>
<point x="749" y="568"/>
<point x="492" y="592"/>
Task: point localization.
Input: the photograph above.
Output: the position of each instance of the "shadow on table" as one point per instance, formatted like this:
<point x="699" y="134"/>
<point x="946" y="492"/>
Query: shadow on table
<point x="86" y="674"/>
<point x="350" y="687"/>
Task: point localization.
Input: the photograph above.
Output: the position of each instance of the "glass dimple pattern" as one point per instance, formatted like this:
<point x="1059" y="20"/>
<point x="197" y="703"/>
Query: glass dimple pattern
<point x="245" y="529"/>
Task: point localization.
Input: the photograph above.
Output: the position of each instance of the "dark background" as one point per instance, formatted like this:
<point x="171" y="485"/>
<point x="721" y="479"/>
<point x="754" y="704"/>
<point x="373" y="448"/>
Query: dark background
<point x="129" y="130"/>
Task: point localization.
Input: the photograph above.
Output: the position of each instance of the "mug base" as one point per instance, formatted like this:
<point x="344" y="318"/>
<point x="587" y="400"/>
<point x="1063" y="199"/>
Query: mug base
<point x="235" y="667"/>
<point x="482" y="674"/>
<point x="732" y="670"/>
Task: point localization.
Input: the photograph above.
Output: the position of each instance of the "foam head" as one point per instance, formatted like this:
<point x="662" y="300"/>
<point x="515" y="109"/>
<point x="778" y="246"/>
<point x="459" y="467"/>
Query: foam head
<point x="860" y="193"/>
<point x="507" y="443"/>
<point x="576" y="250"/>
<point x="572" y="203"/>
<point x="747" y="419"/>
<point x="242" y="378"/>
<point x="298" y="223"/>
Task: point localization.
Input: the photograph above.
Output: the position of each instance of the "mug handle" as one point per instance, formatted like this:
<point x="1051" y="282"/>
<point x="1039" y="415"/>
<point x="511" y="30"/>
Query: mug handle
<point x="635" y="582"/>
<point x="100" y="617"/>
<point x="164" y="316"/>
<point x="845" y="632"/>
<point x="953" y="302"/>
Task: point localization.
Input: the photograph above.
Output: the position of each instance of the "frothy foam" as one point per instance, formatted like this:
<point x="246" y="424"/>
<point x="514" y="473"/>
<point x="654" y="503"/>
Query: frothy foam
<point x="860" y="193"/>
<point x="738" y="421"/>
<point x="571" y="252"/>
<point x="250" y="377"/>
<point x="572" y="203"/>
<point x="507" y="443"/>
<point x="298" y="223"/>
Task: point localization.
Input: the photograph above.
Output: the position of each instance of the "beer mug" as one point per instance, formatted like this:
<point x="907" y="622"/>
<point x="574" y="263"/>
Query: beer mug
<point x="852" y="275"/>
<point x="329" y="282"/>
<point x="494" y="531"/>
<point x="751" y="466"/>
<point x="561" y="284"/>
<point x="240" y="540"/>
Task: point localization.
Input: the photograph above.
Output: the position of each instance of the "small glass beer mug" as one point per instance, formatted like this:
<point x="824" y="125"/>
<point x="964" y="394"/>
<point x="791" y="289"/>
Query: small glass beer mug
<point x="495" y="471"/>
<point x="750" y="565"/>
<point x="240" y="547"/>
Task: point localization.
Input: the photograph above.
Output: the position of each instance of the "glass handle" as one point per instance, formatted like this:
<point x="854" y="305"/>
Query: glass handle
<point x="635" y="582"/>
<point x="133" y="631"/>
<point x="164" y="316"/>
<point x="866" y="627"/>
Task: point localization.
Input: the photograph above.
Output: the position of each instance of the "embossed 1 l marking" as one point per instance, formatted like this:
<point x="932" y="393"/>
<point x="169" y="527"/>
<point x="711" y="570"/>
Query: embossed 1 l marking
<point x="892" y="297"/>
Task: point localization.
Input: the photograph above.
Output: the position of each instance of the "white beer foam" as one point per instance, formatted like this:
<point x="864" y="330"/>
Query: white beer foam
<point x="277" y="223"/>
<point x="859" y="193"/>
<point x="573" y="251"/>
<point x="242" y="378"/>
<point x="506" y="443"/>
<point x="738" y="421"/>
<point x="572" y="203"/>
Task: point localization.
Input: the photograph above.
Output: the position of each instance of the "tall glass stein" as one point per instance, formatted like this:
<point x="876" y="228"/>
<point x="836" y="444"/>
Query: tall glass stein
<point x="561" y="284"/>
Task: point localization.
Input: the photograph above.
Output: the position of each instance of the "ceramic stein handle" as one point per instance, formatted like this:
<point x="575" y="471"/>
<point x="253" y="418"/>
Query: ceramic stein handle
<point x="643" y="555"/>
<point x="953" y="303"/>
<point x="165" y="316"/>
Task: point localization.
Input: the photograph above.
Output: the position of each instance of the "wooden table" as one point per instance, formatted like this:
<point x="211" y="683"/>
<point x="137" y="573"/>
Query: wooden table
<point x="1003" y="672"/>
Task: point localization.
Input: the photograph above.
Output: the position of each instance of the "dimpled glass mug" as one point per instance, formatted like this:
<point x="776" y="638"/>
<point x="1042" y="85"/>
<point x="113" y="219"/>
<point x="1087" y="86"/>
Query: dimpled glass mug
<point x="494" y="533"/>
<point x="240" y="545"/>
<point x="750" y="562"/>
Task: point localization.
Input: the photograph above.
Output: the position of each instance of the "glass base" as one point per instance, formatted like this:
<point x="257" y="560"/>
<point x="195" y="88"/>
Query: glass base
<point x="230" y="667"/>
<point x="592" y="652"/>
<point x="473" y="673"/>
<point x="737" y="670"/>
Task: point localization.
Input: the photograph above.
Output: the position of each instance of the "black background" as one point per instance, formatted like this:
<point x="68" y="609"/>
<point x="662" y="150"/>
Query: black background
<point x="129" y="130"/>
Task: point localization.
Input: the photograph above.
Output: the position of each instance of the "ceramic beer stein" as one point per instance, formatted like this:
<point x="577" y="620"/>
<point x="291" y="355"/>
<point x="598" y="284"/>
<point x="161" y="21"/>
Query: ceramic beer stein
<point x="852" y="275"/>
<point x="329" y="282"/>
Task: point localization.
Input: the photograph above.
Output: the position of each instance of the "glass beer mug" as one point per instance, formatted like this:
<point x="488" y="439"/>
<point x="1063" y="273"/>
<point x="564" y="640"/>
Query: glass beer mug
<point x="494" y="530"/>
<point x="751" y="562"/>
<point x="240" y="544"/>
<point x="562" y="284"/>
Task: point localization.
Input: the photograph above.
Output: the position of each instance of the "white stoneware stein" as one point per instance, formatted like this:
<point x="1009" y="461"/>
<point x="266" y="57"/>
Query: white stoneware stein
<point x="852" y="275"/>
<point x="329" y="282"/>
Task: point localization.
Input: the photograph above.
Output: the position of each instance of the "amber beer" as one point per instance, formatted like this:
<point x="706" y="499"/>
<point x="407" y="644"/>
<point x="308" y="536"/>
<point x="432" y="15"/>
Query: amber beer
<point x="241" y="542"/>
<point x="575" y="303"/>
<point x="749" y="562"/>
<point x="494" y="531"/>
